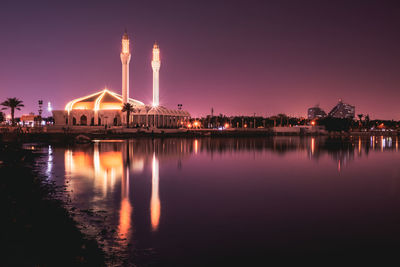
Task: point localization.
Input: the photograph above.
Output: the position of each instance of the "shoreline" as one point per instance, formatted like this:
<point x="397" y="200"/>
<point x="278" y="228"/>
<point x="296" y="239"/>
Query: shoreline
<point x="39" y="226"/>
<point x="83" y="135"/>
<point x="72" y="135"/>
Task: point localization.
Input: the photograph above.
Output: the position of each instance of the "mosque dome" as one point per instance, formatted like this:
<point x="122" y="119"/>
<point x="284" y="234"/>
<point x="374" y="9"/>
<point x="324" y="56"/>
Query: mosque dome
<point x="103" y="100"/>
<point x="160" y="110"/>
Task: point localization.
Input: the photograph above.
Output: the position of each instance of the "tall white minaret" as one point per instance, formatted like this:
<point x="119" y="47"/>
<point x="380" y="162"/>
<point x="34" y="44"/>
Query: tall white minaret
<point x="125" y="58"/>
<point x="155" y="64"/>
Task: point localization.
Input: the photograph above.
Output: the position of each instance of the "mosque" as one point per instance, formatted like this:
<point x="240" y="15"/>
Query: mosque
<point x="104" y="108"/>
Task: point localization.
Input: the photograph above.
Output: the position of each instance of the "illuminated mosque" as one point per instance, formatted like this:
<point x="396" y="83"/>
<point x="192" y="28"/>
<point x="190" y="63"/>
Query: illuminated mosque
<point x="104" y="108"/>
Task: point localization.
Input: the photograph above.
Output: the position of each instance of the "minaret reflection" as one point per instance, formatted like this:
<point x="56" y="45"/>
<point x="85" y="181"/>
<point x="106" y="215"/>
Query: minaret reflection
<point x="155" y="205"/>
<point x="125" y="212"/>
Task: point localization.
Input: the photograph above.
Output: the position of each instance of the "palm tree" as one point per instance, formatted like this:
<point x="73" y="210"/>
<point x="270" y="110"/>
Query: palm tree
<point x="128" y="108"/>
<point x="13" y="104"/>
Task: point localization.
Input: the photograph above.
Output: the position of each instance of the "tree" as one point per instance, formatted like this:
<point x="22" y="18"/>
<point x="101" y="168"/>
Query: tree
<point x="128" y="108"/>
<point x="360" y="117"/>
<point x="282" y="117"/>
<point x="1" y="116"/>
<point x="13" y="104"/>
<point x="367" y="121"/>
<point x="336" y="124"/>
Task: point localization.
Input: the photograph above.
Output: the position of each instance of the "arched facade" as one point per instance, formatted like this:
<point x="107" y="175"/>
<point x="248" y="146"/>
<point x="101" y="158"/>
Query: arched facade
<point x="104" y="108"/>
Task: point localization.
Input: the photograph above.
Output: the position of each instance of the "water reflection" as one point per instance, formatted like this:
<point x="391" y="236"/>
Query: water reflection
<point x="49" y="162"/>
<point x="125" y="212"/>
<point x="155" y="206"/>
<point x="110" y="164"/>
<point x="123" y="178"/>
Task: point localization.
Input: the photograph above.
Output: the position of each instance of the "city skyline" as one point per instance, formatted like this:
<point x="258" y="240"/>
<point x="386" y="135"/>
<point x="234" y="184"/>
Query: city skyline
<point x="255" y="57"/>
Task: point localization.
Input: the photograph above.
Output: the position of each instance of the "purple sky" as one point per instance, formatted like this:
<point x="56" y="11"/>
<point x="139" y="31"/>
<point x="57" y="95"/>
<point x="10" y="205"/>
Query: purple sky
<point x="239" y="57"/>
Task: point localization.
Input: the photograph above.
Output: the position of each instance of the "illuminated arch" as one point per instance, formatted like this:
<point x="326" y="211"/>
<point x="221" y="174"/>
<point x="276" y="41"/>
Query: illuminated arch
<point x="83" y="120"/>
<point x="103" y="100"/>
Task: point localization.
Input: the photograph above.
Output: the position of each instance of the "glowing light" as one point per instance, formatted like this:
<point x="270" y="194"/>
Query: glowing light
<point x="196" y="146"/>
<point x="138" y="165"/>
<point x="226" y="125"/>
<point x="312" y="145"/>
<point x="70" y="104"/>
<point x="125" y="45"/>
<point x="155" y="205"/>
<point x="245" y="126"/>
<point x="49" y="108"/>
<point x="125" y="58"/>
<point x="49" y="162"/>
<point x="97" y="103"/>
<point x="313" y="123"/>
<point x="156" y="52"/>
<point x="68" y="161"/>
<point x="125" y="211"/>
<point x="124" y="218"/>
<point x="156" y="64"/>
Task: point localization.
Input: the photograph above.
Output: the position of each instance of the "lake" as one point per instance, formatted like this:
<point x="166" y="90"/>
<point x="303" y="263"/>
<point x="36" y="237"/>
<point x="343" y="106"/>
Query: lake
<point x="208" y="201"/>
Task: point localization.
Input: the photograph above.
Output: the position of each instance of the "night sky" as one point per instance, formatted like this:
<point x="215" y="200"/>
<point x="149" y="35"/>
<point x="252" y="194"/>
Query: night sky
<point x="239" y="57"/>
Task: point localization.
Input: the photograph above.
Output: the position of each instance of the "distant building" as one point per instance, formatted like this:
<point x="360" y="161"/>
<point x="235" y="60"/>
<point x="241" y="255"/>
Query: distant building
<point x="315" y="113"/>
<point x="342" y="111"/>
<point x="30" y="119"/>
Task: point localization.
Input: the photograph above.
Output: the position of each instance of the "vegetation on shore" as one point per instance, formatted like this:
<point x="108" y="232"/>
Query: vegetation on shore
<point x="38" y="230"/>
<point x="13" y="104"/>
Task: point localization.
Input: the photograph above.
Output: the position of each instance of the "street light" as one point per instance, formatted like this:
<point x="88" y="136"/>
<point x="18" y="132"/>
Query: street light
<point x="40" y="102"/>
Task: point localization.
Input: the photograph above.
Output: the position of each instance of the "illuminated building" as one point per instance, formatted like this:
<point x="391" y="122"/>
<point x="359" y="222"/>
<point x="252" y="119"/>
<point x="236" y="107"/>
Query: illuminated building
<point x="104" y="107"/>
<point x="30" y="119"/>
<point x="342" y="111"/>
<point x="315" y="113"/>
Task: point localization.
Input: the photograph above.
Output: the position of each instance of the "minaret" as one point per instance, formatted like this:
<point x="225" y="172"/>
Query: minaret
<point x="155" y="64"/>
<point x="125" y="58"/>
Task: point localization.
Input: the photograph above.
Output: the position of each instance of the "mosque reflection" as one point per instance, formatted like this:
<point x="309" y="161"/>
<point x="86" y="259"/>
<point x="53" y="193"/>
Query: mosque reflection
<point x="111" y="167"/>
<point x="107" y="166"/>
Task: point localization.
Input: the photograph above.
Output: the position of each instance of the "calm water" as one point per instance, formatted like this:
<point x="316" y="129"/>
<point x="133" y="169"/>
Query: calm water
<point x="203" y="201"/>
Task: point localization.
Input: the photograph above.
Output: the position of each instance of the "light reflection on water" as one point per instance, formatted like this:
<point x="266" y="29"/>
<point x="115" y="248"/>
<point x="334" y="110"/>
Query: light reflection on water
<point x="186" y="197"/>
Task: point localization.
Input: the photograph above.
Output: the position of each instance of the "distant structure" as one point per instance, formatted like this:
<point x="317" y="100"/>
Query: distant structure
<point x="342" y="111"/>
<point x="315" y="113"/>
<point x="103" y="108"/>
